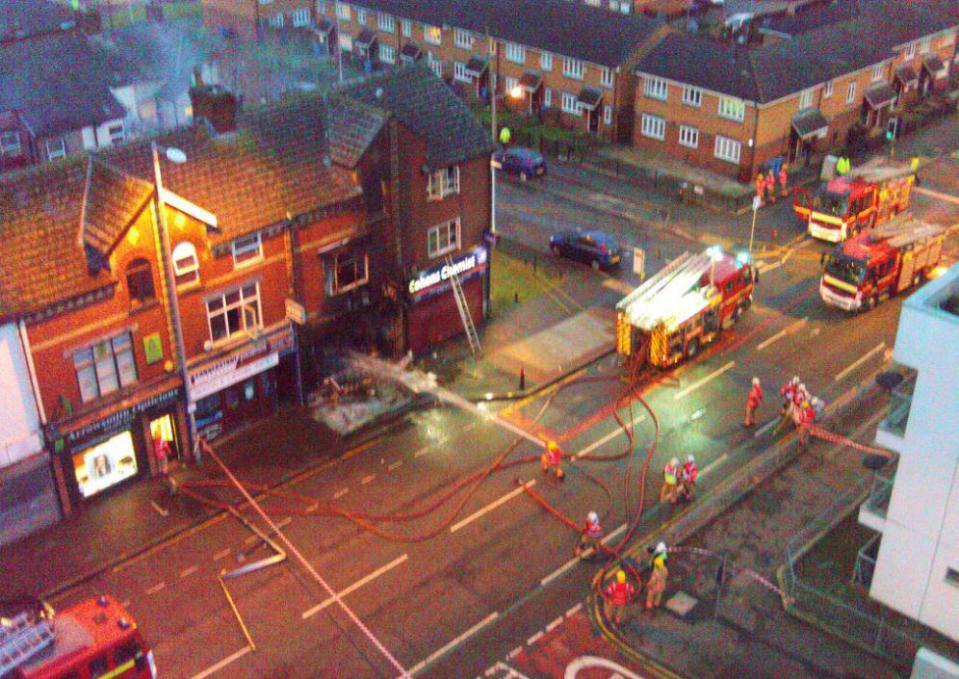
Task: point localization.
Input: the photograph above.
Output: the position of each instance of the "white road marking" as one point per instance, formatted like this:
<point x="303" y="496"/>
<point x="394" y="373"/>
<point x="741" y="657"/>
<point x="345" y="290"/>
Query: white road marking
<point x="421" y="452"/>
<point x="936" y="194"/>
<point x="553" y="625"/>
<point x="574" y="610"/>
<point x="536" y="637"/>
<point x="715" y="463"/>
<point x="766" y="268"/>
<point x="617" y="432"/>
<point x="223" y="663"/>
<point x="355" y="586"/>
<point x="515" y="652"/>
<point x="613" y="534"/>
<point x="815" y="331"/>
<point x="311" y="509"/>
<point x="763" y="429"/>
<point x="559" y="571"/>
<point x="189" y="571"/>
<point x="696" y="385"/>
<point x="279" y="524"/>
<point x="395" y="465"/>
<point x="221" y="555"/>
<point x="366" y="479"/>
<point x="125" y="604"/>
<point x="789" y="329"/>
<point x="156" y="588"/>
<point x="491" y="506"/>
<point x="875" y="350"/>
<point x="340" y="493"/>
<point x="453" y="644"/>
<point x="160" y="510"/>
<point x="618" y="285"/>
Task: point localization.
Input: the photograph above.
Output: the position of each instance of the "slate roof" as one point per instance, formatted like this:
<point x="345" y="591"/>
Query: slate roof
<point x="57" y="82"/>
<point x="24" y="18"/>
<point x="111" y="201"/>
<point x="777" y="69"/>
<point x="809" y="122"/>
<point x="880" y="95"/>
<point x="353" y="126"/>
<point x="810" y="17"/>
<point x="573" y="29"/>
<point x="477" y="65"/>
<point x="427" y="107"/>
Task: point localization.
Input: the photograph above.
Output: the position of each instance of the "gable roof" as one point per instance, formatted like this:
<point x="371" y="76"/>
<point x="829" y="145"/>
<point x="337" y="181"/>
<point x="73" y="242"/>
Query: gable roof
<point x="56" y="83"/>
<point x="777" y="69"/>
<point x="427" y="107"/>
<point x="353" y="126"/>
<point x="572" y="29"/>
<point x="111" y="201"/>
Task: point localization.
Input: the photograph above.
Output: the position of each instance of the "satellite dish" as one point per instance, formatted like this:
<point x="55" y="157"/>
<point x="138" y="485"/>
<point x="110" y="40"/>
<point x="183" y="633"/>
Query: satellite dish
<point x="175" y="155"/>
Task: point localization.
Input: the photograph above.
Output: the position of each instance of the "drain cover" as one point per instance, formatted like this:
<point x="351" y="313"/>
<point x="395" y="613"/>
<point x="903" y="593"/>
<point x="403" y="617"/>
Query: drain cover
<point x="682" y="604"/>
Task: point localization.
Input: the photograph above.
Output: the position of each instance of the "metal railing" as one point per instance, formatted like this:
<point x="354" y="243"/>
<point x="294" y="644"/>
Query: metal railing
<point x="866" y="562"/>
<point x="881" y="491"/>
<point x="900" y="403"/>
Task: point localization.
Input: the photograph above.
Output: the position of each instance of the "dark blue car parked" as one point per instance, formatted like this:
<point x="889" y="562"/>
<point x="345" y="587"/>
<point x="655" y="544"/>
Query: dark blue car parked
<point x="593" y="247"/>
<point x="521" y="161"/>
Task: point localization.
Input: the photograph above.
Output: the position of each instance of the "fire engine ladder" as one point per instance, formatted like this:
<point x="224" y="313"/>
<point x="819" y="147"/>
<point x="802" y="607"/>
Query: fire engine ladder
<point x="21" y="639"/>
<point x="471" y="335"/>
<point x="648" y="309"/>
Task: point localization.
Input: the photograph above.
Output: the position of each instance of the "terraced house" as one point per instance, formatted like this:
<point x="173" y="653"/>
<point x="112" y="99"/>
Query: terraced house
<point x="733" y="108"/>
<point x="572" y="62"/>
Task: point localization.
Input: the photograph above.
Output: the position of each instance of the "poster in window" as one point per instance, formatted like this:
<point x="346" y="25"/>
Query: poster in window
<point x="153" y="348"/>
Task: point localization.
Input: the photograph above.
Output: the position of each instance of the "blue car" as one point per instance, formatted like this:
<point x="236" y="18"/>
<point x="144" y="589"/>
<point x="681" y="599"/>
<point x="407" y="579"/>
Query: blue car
<point x="521" y="161"/>
<point x="593" y="247"/>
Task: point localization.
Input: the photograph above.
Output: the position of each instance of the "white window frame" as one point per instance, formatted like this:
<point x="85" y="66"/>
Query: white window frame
<point x="406" y="27"/>
<point x="727" y="149"/>
<point x="462" y="38"/>
<point x="731" y="108"/>
<point x="925" y="45"/>
<point x="851" y="92"/>
<point x="115" y="137"/>
<point x="606" y="77"/>
<point x="459" y="72"/>
<point x="607" y="114"/>
<point x="443" y="182"/>
<point x="245" y="302"/>
<point x="443" y="238"/>
<point x="573" y="68"/>
<point x="183" y="251"/>
<point x="435" y="31"/>
<point x="948" y="38"/>
<point x="877" y="72"/>
<point x="436" y="65"/>
<point x="827" y="90"/>
<point x="515" y="53"/>
<point x="655" y="88"/>
<point x="343" y="11"/>
<point x="361" y="17"/>
<point x="55" y="153"/>
<point x="805" y="99"/>
<point x="320" y="7"/>
<point x="277" y="20"/>
<point x="692" y="96"/>
<point x="247" y="250"/>
<point x="10" y="143"/>
<point x="910" y="50"/>
<point x="387" y="54"/>
<point x="570" y="104"/>
<point x="511" y="83"/>
<point x="653" y="127"/>
<point x="105" y="373"/>
<point x="546" y="61"/>
<point x="689" y="136"/>
<point x="348" y="256"/>
<point x="301" y="17"/>
<point x="386" y="22"/>
<point x="547" y="97"/>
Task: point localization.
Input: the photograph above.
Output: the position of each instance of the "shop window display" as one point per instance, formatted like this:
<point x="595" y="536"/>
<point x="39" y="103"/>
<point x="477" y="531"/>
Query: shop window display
<point x="105" y="464"/>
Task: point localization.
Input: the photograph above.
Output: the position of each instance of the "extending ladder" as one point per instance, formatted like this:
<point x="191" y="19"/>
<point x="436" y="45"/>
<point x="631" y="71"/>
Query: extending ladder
<point x="21" y="639"/>
<point x="471" y="335"/>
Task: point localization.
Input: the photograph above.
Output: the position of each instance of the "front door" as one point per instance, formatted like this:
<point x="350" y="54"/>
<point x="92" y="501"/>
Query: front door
<point x="593" y="120"/>
<point x="165" y="426"/>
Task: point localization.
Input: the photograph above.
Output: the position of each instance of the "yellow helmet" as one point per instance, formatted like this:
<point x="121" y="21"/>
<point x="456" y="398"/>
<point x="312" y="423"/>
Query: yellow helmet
<point x="620" y="576"/>
<point x="552" y="445"/>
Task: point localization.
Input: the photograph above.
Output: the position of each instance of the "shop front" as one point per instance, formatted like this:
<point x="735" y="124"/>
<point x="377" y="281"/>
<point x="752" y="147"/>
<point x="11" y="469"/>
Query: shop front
<point x="432" y="316"/>
<point x="101" y="451"/>
<point x="240" y="387"/>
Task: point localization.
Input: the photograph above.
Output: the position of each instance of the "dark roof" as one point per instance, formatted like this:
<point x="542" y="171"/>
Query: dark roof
<point x="810" y="17"/>
<point x="567" y="28"/>
<point x="933" y="64"/>
<point x="353" y="127"/>
<point x="366" y="37"/>
<point x="531" y="80"/>
<point x="809" y="122"/>
<point x="476" y="65"/>
<point x="906" y="74"/>
<point x="411" y="49"/>
<point x="427" y="107"/>
<point x="589" y="97"/>
<point x="58" y="83"/>
<point x="276" y="165"/>
<point x="111" y="201"/>
<point x="880" y="95"/>
<point x="324" y="25"/>
<point x="24" y="18"/>
<point x="777" y="69"/>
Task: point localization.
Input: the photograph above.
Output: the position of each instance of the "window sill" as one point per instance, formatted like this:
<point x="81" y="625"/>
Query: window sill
<point x="348" y="288"/>
<point x="443" y="253"/>
<point x="189" y="287"/>
<point x="248" y="262"/>
<point x="141" y="307"/>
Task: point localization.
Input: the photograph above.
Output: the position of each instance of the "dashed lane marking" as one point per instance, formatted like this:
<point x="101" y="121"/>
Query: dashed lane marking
<point x="223" y="663"/>
<point x="616" y="432"/>
<point x="279" y="524"/>
<point x="395" y="465"/>
<point x="574" y="610"/>
<point x="189" y="571"/>
<point x="553" y="625"/>
<point x="366" y="479"/>
<point x="613" y="534"/>
<point x="872" y="352"/>
<point x="340" y="493"/>
<point x="559" y="571"/>
<point x="515" y="652"/>
<point x="222" y="555"/>
<point x="536" y="637"/>
<point x="789" y="329"/>
<point x="492" y="505"/>
<point x="156" y="588"/>
<point x="355" y="586"/>
<point x="455" y="642"/>
<point x="421" y="452"/>
<point x="715" y="463"/>
<point x="696" y="385"/>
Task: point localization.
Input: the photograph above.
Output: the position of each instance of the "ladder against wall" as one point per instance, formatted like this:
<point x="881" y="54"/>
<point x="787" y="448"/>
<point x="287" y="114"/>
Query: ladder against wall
<point x="461" y="304"/>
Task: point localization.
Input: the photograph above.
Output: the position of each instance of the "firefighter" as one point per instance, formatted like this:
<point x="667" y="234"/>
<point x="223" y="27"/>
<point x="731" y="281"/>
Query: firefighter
<point x="553" y="457"/>
<point x="618" y="595"/>
<point x="162" y="452"/>
<point x="688" y="478"/>
<point x="789" y="394"/>
<point x="761" y="188"/>
<point x="752" y="402"/>
<point x="657" y="579"/>
<point x="784" y="178"/>
<point x="771" y="186"/>
<point x="670" y="488"/>
<point x="804" y="415"/>
<point x="592" y="533"/>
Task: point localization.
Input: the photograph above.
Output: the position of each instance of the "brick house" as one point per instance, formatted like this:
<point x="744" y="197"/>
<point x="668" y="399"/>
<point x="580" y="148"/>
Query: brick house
<point x="732" y="108"/>
<point x="247" y="18"/>
<point x="572" y="62"/>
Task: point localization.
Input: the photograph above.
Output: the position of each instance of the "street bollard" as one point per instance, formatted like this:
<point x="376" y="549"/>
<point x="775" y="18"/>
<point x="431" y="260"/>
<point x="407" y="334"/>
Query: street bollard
<point x="522" y="378"/>
<point x="515" y="298"/>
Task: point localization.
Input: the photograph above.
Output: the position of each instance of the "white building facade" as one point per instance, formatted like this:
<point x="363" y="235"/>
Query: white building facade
<point x="917" y="567"/>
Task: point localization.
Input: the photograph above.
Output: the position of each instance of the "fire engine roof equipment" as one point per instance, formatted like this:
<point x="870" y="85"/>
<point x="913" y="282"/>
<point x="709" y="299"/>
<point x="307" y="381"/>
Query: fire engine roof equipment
<point x="880" y="170"/>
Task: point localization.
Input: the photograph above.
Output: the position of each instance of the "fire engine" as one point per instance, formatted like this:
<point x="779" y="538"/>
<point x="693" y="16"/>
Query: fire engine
<point x="683" y="307"/>
<point x="96" y="638"/>
<point x="866" y="196"/>
<point x="880" y="263"/>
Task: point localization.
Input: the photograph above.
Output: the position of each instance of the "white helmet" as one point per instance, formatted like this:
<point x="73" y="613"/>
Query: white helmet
<point x="592" y="517"/>
<point x="795" y="379"/>
<point x="690" y="458"/>
<point x="674" y="461"/>
<point x="660" y="548"/>
<point x="755" y="381"/>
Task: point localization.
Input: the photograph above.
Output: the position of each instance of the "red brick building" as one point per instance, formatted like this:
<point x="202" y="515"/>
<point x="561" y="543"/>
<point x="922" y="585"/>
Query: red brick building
<point x="248" y="18"/>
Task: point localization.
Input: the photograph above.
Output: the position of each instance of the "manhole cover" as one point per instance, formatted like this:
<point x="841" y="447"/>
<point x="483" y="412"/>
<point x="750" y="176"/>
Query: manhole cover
<point x="681" y="604"/>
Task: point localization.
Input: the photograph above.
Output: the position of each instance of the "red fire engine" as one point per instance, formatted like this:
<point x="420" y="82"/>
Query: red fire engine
<point x="683" y="307"/>
<point x="866" y="196"/>
<point x="879" y="264"/>
<point x="96" y="638"/>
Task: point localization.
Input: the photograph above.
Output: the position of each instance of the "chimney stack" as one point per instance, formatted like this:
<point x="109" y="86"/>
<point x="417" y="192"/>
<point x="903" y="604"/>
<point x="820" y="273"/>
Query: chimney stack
<point x="215" y="105"/>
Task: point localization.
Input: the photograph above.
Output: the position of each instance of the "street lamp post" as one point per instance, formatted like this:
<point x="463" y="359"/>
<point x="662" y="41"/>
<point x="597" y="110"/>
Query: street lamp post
<point x="176" y="156"/>
<point x="492" y="132"/>
<point x="752" y="230"/>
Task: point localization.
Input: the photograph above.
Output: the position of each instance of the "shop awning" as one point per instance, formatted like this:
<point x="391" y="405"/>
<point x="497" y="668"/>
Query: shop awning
<point x="411" y="51"/>
<point x="476" y="66"/>
<point x="934" y="65"/>
<point x="324" y="26"/>
<point x="531" y="81"/>
<point x="366" y="37"/>
<point x="810" y="123"/>
<point x="589" y="98"/>
<point x="880" y="96"/>
<point x="906" y="75"/>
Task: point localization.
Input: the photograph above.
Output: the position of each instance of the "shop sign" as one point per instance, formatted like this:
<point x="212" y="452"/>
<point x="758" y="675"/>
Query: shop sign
<point x="228" y="372"/>
<point x="295" y="312"/>
<point x="118" y="420"/>
<point x="464" y="266"/>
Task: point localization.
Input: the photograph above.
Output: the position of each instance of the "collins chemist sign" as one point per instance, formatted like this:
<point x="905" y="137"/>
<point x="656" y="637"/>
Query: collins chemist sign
<point x="436" y="279"/>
